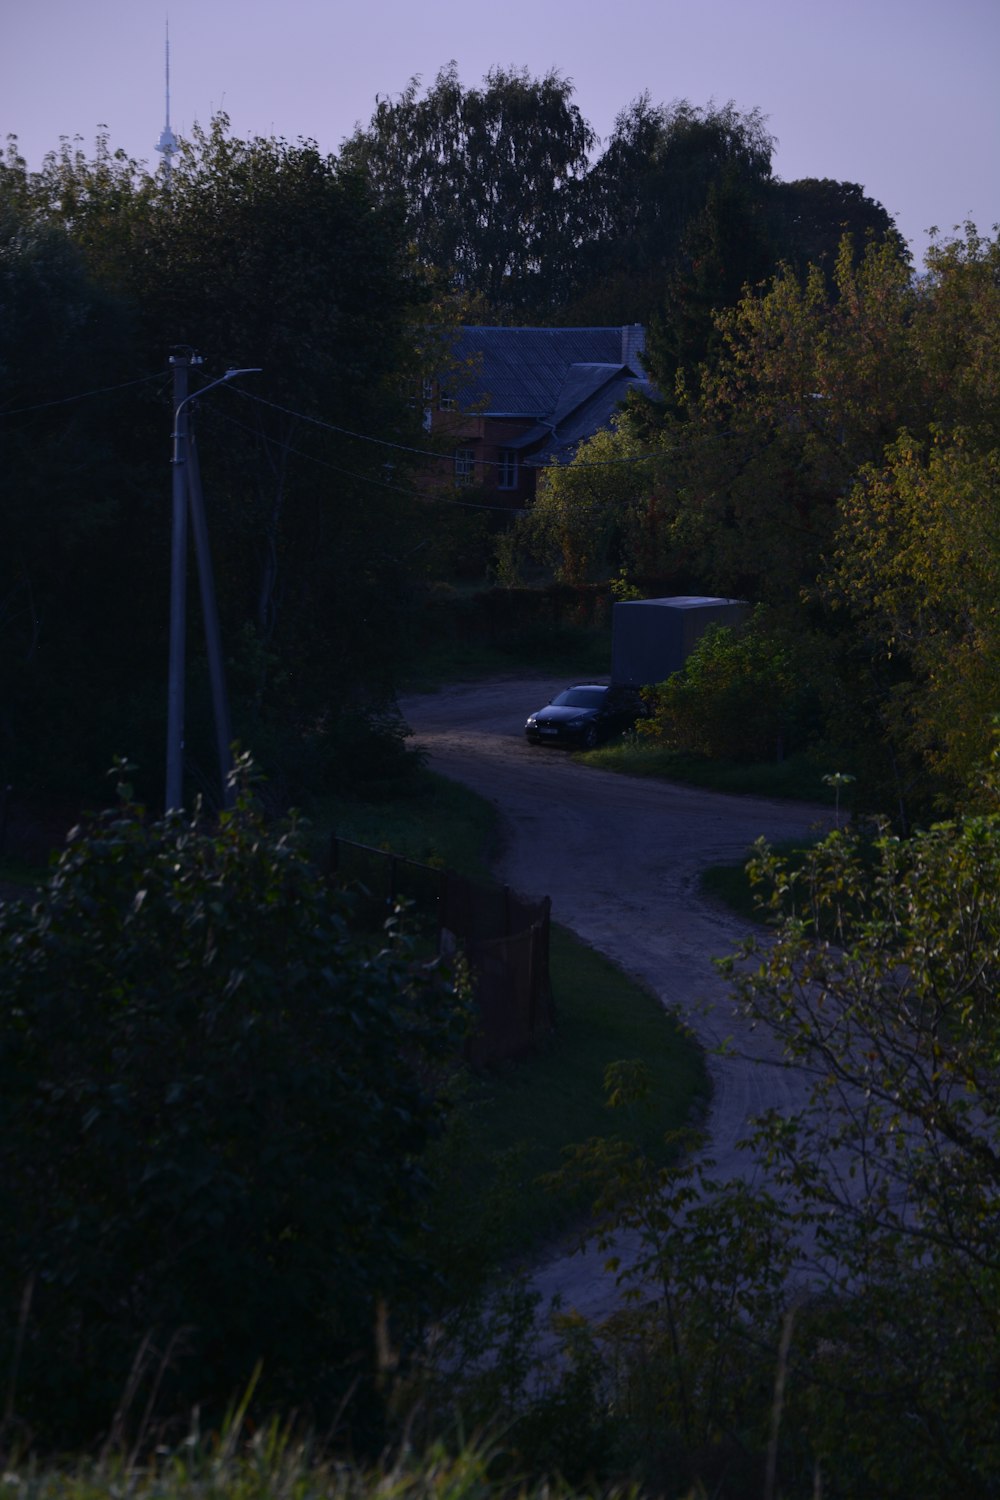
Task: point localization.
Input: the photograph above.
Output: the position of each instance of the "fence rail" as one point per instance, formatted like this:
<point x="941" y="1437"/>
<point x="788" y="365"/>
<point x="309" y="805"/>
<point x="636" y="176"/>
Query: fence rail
<point x="505" y="939"/>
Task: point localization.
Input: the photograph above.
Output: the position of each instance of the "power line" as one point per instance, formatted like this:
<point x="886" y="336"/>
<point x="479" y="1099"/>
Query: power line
<point x="83" y="395"/>
<point x="427" y="453"/>
<point x="322" y="462"/>
<point x="361" y="437"/>
<point x="366" y="478"/>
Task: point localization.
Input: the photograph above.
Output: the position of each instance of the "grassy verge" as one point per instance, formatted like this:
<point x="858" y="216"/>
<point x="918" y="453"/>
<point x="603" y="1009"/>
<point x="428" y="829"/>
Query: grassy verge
<point x="730" y="884"/>
<point x="436" y="821"/>
<point x="513" y="1123"/>
<point x="567" y="651"/>
<point x="797" y="778"/>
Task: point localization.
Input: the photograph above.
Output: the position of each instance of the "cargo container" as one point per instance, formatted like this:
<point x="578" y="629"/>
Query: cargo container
<point x="651" y="638"/>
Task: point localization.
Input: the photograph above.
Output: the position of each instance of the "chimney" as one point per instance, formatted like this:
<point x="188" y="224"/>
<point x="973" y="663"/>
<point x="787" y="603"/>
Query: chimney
<point x="633" y="345"/>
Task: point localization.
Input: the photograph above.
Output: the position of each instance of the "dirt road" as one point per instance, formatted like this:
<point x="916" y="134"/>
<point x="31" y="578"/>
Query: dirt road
<point x="621" y="858"/>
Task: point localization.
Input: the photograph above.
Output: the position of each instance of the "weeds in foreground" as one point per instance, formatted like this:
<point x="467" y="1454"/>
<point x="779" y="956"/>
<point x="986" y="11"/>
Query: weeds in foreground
<point x="276" y="1463"/>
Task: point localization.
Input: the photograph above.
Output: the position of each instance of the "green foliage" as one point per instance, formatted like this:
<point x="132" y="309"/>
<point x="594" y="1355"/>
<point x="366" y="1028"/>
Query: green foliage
<point x="918" y="567"/>
<point x="106" y="269"/>
<point x="511" y="1127"/>
<point x="655" y="190"/>
<point x="797" y="778"/>
<point x="669" y="222"/>
<point x="71" y="490"/>
<point x="215" y="1106"/>
<point x="881" y="983"/>
<point x="695" y="1345"/>
<point x="308" y="533"/>
<point x="829" y="1318"/>
<point x="593" y="515"/>
<point x="835" y="459"/>
<point x="812" y="215"/>
<point x="743" y="694"/>
<point x="490" y="179"/>
<point x="558" y="629"/>
<point x="276" y="1460"/>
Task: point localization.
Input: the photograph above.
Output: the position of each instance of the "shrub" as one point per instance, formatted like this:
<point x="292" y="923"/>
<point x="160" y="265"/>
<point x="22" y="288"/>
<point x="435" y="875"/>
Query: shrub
<point x="743" y="694"/>
<point x="213" y="1106"/>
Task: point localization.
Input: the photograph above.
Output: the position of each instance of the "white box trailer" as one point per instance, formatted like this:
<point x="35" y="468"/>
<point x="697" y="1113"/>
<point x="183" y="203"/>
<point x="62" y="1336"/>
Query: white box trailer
<point x="651" y="638"/>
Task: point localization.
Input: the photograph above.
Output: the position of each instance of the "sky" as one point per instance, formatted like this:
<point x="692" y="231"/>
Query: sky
<point x="901" y="96"/>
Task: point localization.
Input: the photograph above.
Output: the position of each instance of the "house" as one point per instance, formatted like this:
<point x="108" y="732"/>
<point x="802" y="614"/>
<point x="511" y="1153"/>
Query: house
<point x="517" y="399"/>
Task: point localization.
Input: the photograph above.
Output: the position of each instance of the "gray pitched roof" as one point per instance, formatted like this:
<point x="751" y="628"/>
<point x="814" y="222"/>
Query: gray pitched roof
<point x="526" y="372"/>
<point x="556" y="443"/>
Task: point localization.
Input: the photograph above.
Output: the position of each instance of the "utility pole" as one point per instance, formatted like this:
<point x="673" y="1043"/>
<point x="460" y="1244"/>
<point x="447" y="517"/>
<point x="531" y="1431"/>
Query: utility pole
<point x="173" y="799"/>
<point x="186" y="492"/>
<point x="210" y="616"/>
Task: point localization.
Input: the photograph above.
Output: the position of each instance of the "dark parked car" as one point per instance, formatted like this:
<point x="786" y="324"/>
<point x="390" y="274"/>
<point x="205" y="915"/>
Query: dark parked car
<point x="585" y="715"/>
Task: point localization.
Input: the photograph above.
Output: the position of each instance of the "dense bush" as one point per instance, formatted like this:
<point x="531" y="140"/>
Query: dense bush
<point x="744" y="694"/>
<point x="837" y="1316"/>
<point x="213" y="1104"/>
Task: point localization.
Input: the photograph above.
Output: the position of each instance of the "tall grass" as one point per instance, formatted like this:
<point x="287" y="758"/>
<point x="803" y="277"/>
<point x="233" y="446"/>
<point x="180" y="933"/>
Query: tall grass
<point x="276" y="1464"/>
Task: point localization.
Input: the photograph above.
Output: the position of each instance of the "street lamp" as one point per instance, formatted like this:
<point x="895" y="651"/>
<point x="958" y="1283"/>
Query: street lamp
<point x="186" y="490"/>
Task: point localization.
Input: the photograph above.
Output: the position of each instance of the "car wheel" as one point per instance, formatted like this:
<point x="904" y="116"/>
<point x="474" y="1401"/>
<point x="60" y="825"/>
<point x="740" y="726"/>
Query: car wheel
<point x="588" y="738"/>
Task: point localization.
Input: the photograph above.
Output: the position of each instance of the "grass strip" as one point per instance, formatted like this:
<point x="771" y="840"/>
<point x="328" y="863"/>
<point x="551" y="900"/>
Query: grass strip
<point x="431" y="819"/>
<point x="730" y="884"/>
<point x="550" y="651"/>
<point x="798" y="778"/>
<point x="513" y="1123"/>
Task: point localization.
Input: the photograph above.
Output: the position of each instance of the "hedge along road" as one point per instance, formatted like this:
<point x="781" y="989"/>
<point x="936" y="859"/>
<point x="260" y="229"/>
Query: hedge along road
<point x="621" y="859"/>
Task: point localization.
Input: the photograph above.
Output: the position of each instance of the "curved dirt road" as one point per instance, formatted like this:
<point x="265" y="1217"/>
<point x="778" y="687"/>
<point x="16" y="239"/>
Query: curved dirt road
<point x="621" y="858"/>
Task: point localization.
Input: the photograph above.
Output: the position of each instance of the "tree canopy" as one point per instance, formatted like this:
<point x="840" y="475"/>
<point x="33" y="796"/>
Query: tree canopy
<point x="513" y="202"/>
<point x="491" y="179"/>
<point x="215" y="1103"/>
<point x="257" y="253"/>
<point x="833" y="454"/>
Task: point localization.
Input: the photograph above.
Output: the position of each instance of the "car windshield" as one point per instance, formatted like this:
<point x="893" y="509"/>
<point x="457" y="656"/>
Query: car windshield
<point x="581" y="697"/>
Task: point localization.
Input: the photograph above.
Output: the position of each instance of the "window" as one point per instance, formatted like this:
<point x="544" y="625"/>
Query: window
<point x="507" y="469"/>
<point x="427" y="392"/>
<point x="465" y="463"/>
<point x="446" y="401"/>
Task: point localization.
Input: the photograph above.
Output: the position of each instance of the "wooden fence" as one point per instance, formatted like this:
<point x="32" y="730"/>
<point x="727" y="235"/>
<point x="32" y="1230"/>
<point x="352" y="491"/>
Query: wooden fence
<point x="504" y="938"/>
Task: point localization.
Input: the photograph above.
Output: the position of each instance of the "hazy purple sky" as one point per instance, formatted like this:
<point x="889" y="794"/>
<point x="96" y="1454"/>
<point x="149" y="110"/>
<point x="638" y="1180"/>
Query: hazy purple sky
<point x="902" y="96"/>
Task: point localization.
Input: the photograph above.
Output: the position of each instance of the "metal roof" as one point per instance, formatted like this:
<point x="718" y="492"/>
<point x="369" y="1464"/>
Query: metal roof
<point x="523" y="372"/>
<point x="557" y="444"/>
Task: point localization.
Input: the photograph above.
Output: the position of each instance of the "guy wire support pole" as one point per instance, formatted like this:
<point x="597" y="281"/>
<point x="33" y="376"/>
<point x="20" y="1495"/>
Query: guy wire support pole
<point x="210" y="615"/>
<point x="187" y="490"/>
<point x="173" y="798"/>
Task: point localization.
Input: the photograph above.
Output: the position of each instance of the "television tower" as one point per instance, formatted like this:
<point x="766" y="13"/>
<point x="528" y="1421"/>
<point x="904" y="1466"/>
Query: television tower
<point x="168" y="141"/>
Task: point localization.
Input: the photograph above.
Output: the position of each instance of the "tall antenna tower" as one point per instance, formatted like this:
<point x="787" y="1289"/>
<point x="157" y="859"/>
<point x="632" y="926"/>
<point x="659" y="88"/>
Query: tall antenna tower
<point x="167" y="143"/>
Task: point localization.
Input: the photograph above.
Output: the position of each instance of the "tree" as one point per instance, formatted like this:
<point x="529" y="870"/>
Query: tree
<point x="725" y="250"/>
<point x="830" y="1319"/>
<point x="322" y="297"/>
<point x="74" y="485"/>
<point x="810" y="217"/>
<point x="310" y="525"/>
<point x="956" y="334"/>
<point x="591" y="514"/>
<point x="664" y="172"/>
<point x="919" y="568"/>
<point x="743" y="694"/>
<point x="915" y="562"/>
<point x="215" y="1102"/>
<point x="491" y="181"/>
<point x="880" y="981"/>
